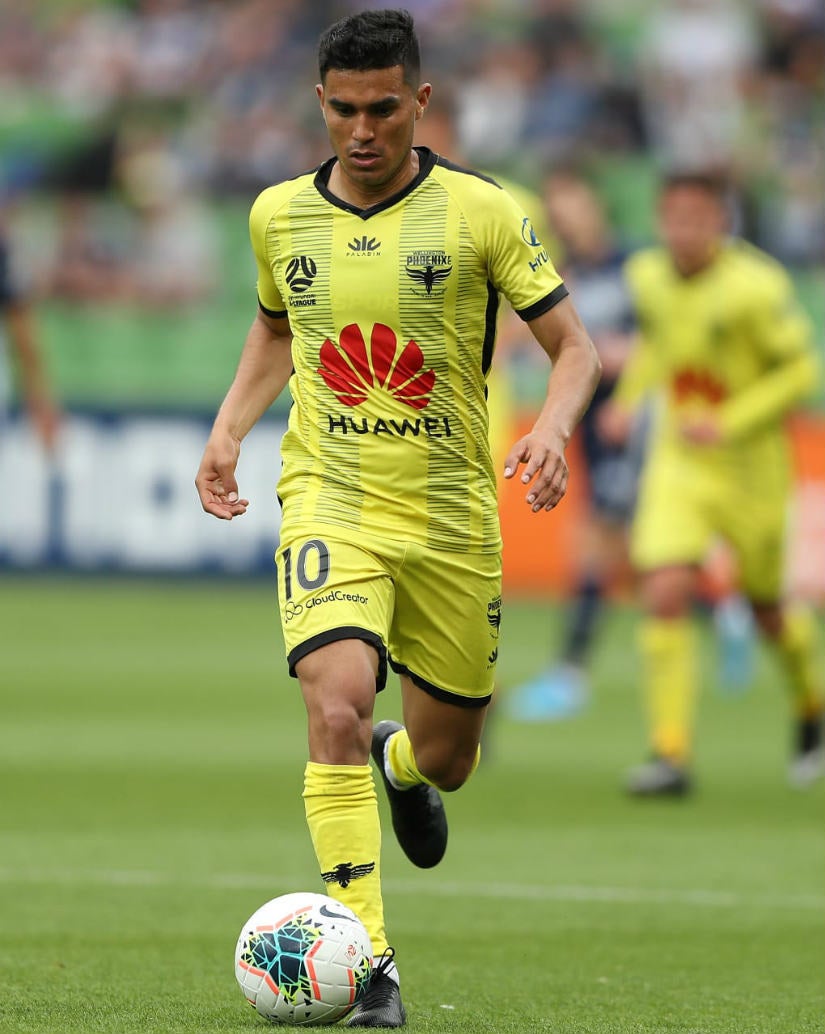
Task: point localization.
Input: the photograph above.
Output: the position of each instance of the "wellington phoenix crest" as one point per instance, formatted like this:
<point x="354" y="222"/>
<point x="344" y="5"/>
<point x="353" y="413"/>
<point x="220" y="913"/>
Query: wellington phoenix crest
<point x="351" y="368"/>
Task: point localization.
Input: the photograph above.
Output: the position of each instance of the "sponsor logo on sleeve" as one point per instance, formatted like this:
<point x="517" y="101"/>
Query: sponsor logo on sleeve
<point x="528" y="235"/>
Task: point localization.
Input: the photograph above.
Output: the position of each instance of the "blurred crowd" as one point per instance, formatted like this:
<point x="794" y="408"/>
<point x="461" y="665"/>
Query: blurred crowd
<point x="136" y="115"/>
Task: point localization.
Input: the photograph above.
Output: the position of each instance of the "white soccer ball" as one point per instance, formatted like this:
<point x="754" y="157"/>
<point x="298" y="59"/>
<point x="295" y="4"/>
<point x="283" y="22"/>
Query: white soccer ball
<point x="303" y="959"/>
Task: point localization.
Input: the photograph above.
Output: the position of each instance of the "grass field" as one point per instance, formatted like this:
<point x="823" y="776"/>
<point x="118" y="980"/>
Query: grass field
<point x="151" y="757"/>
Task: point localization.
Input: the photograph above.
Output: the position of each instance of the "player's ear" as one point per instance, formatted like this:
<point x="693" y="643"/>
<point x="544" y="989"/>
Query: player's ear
<point x="422" y="99"/>
<point x="319" y="93"/>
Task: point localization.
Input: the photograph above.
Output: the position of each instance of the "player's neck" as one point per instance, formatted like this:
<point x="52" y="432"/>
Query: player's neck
<point x="364" y="196"/>
<point x="693" y="267"/>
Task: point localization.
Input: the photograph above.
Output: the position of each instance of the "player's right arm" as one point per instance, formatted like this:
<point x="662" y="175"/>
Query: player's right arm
<point x="263" y="371"/>
<point x="575" y="374"/>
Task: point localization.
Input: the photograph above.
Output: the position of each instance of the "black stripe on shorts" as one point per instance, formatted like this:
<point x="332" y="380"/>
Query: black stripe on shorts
<point x="335" y="635"/>
<point x="437" y="692"/>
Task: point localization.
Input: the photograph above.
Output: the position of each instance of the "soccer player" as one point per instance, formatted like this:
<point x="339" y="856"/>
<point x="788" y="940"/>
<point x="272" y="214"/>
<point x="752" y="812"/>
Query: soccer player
<point x="26" y="365"/>
<point x="725" y="344"/>
<point x="378" y="282"/>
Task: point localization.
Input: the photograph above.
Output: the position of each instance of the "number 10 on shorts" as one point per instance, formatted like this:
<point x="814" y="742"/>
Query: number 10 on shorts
<point x="312" y="556"/>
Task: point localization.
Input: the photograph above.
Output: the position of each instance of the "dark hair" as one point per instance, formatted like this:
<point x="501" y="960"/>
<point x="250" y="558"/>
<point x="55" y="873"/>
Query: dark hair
<point x="711" y="184"/>
<point x="372" y="39"/>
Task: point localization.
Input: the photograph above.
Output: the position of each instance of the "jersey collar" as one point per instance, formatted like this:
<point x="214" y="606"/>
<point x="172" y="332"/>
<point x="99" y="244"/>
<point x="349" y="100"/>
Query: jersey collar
<point x="426" y="161"/>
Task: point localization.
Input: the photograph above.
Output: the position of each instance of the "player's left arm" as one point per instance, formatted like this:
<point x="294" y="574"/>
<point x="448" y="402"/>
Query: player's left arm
<point x="575" y="374"/>
<point x="784" y="336"/>
<point x="27" y="355"/>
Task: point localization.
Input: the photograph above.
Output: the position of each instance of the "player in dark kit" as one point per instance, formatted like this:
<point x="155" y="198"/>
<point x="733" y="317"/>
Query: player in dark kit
<point x="26" y="365"/>
<point x="379" y="275"/>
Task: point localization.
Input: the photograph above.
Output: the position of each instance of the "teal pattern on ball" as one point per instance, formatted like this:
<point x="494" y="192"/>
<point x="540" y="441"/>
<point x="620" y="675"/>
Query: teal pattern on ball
<point x="281" y="954"/>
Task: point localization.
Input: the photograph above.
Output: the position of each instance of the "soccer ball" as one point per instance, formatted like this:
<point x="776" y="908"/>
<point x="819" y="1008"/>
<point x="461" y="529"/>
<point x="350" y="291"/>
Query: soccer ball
<point x="303" y="959"/>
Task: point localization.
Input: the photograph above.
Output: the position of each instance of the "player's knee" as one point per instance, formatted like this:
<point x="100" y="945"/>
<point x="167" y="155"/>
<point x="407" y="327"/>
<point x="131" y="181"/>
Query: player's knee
<point x="339" y="710"/>
<point x="668" y="593"/>
<point x="340" y="730"/>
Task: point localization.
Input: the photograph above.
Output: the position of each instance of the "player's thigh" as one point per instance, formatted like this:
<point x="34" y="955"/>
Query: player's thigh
<point x="331" y="590"/>
<point x="445" y="629"/>
<point x="673" y="524"/>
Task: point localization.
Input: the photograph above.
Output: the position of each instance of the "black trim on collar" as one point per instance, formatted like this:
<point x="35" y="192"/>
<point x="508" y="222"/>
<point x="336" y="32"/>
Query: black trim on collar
<point x="445" y="163"/>
<point x="426" y="161"/>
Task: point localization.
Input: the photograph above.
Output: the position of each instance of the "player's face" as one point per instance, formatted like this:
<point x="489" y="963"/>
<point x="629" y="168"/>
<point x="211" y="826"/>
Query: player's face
<point x="577" y="217"/>
<point x="691" y="222"/>
<point x="370" y="117"/>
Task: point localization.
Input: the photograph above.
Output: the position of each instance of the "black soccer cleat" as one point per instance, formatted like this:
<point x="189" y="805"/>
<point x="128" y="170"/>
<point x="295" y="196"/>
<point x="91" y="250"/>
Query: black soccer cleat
<point x="808" y="762"/>
<point x="658" y="778"/>
<point x="381" y="1005"/>
<point x="418" y="816"/>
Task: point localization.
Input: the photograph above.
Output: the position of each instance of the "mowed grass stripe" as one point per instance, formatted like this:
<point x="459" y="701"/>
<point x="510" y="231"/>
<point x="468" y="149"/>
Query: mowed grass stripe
<point x="500" y="890"/>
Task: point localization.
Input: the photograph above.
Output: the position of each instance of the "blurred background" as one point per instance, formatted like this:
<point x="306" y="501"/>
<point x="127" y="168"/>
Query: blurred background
<point x="151" y="744"/>
<point x="134" y="136"/>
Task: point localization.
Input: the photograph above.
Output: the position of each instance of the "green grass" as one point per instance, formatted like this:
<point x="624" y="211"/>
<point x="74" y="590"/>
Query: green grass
<point x="151" y="756"/>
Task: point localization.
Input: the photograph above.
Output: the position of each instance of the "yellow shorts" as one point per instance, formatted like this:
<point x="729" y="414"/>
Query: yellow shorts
<point x="684" y="506"/>
<point x="431" y="614"/>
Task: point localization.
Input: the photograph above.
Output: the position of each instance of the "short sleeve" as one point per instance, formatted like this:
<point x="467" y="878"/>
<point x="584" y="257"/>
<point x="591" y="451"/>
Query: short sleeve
<point x="260" y="218"/>
<point x="518" y="262"/>
<point x="780" y="324"/>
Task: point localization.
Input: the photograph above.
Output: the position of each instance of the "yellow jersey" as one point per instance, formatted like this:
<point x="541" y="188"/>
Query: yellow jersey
<point x="393" y="315"/>
<point x="731" y="340"/>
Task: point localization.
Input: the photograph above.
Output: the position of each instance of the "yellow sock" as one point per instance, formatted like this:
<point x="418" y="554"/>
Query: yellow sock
<point x="342" y="814"/>
<point x="670" y="678"/>
<point x="403" y="769"/>
<point x="797" y="650"/>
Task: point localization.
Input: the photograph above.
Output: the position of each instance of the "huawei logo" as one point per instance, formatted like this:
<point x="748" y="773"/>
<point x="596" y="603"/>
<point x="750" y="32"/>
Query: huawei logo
<point x="699" y="383"/>
<point x="351" y="369"/>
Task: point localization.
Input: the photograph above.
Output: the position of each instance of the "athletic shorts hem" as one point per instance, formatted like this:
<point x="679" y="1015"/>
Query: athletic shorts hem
<point x="647" y="566"/>
<point x="335" y="635"/>
<point x="437" y="692"/>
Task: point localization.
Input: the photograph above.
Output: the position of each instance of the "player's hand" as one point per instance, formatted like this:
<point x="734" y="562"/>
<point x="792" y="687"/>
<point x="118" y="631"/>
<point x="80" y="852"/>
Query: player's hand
<point x="215" y="481"/>
<point x="542" y="452"/>
<point x="614" y="424"/>
<point x="701" y="430"/>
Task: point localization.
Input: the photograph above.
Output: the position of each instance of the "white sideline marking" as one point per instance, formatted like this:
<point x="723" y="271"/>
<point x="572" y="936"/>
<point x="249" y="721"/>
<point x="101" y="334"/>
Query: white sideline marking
<point x="516" y="891"/>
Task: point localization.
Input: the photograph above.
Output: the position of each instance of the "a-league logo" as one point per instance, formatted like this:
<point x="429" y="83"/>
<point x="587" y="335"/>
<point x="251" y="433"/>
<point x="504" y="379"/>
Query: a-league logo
<point x="300" y="272"/>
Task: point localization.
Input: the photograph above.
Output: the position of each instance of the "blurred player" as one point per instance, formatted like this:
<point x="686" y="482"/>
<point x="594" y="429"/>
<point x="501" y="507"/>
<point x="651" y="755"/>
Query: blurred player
<point x="26" y="365"/>
<point x="594" y="264"/>
<point x="378" y="283"/>
<point x="727" y="347"/>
